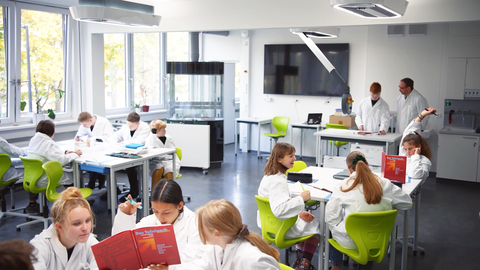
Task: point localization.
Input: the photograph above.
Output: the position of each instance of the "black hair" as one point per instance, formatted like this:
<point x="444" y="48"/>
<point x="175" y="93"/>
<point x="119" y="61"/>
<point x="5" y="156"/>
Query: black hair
<point x="167" y="191"/>
<point x="46" y="127"/>
<point x="408" y="82"/>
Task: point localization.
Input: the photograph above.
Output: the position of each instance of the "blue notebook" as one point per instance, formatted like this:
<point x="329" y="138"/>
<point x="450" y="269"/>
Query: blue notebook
<point x="134" y="145"/>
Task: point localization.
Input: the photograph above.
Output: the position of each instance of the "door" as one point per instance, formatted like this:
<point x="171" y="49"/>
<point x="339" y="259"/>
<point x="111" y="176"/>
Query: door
<point x="229" y="103"/>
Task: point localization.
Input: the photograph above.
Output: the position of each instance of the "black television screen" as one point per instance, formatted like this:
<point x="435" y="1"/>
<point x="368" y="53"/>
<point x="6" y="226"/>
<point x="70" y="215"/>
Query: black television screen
<point x="292" y="69"/>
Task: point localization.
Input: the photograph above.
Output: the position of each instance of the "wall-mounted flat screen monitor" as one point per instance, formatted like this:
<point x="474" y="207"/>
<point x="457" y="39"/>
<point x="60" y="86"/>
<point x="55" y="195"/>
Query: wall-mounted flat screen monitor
<point x="292" y="69"/>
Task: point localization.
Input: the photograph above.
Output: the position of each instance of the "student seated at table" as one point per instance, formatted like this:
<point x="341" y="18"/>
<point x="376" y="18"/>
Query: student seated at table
<point x="274" y="187"/>
<point x="135" y="131"/>
<point x="94" y="127"/>
<point x="416" y="148"/>
<point x="363" y="191"/>
<point x="161" y="167"/>
<point x="14" y="152"/>
<point x="16" y="254"/>
<point x="43" y="147"/>
<point x="230" y="245"/>
<point x="66" y="244"/>
<point x="168" y="208"/>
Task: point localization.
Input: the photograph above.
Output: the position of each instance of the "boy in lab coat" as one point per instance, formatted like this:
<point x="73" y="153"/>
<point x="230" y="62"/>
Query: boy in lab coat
<point x="373" y="112"/>
<point x="94" y="127"/>
<point x="135" y="131"/>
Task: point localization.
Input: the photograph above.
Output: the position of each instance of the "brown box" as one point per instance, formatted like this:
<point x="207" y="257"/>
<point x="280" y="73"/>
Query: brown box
<point x="348" y="121"/>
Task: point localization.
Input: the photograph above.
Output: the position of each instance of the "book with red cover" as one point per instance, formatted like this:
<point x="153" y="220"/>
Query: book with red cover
<point x="394" y="167"/>
<point x="138" y="248"/>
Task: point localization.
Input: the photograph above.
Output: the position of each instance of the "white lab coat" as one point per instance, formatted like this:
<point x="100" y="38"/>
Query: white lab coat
<point x="418" y="166"/>
<point x="238" y="255"/>
<point x="140" y="135"/>
<point x="409" y="108"/>
<point x="354" y="202"/>
<point x="14" y="152"/>
<point x="43" y="148"/>
<point x="374" y="118"/>
<point x="275" y="188"/>
<point x="164" y="161"/>
<point x="185" y="227"/>
<point x="102" y="129"/>
<point x="52" y="254"/>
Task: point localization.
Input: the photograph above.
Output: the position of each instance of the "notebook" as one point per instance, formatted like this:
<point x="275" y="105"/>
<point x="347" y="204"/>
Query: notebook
<point x="314" y="119"/>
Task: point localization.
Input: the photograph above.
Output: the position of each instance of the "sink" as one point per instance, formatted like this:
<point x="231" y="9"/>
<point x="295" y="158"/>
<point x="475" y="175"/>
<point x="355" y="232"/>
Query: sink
<point x="458" y="130"/>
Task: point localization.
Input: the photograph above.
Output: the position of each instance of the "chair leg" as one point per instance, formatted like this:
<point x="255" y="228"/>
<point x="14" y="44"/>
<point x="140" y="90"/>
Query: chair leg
<point x="287" y="253"/>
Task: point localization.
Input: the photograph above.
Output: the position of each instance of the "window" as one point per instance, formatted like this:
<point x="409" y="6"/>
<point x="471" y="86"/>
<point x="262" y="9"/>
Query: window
<point x="115" y="84"/>
<point x="34" y="53"/>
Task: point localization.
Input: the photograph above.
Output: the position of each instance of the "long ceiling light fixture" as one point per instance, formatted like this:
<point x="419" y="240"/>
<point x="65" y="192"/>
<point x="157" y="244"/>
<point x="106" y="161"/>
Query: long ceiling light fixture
<point x="115" y="12"/>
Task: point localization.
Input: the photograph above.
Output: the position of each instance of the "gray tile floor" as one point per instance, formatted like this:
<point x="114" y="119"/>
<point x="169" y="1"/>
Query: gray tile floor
<point x="449" y="220"/>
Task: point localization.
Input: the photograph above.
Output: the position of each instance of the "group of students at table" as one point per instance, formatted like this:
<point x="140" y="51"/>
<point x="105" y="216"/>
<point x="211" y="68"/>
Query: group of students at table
<point x="214" y="236"/>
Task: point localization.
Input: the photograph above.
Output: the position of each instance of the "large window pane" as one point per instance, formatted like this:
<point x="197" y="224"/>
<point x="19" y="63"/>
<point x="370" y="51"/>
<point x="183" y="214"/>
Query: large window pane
<point x="115" y="84"/>
<point x="177" y="47"/>
<point x="42" y="61"/>
<point x="146" y="68"/>
<point x="3" y="69"/>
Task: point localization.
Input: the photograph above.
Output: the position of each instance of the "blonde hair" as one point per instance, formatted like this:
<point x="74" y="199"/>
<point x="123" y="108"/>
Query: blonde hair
<point x="84" y="117"/>
<point x="158" y="124"/>
<point x="69" y="199"/>
<point x="223" y="216"/>
<point x="372" y="190"/>
<point x="280" y="150"/>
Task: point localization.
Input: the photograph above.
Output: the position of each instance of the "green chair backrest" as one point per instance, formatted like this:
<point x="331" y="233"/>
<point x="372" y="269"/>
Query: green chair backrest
<point x="54" y="171"/>
<point x="337" y="126"/>
<point x="370" y="231"/>
<point x="5" y="163"/>
<point x="179" y="153"/>
<point x="32" y="172"/>
<point x="285" y="267"/>
<point x="298" y="165"/>
<point x="281" y="124"/>
<point x="273" y="229"/>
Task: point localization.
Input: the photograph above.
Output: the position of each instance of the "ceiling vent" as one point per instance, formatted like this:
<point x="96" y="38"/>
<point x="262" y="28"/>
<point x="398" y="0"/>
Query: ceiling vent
<point x="115" y="12"/>
<point x="372" y="9"/>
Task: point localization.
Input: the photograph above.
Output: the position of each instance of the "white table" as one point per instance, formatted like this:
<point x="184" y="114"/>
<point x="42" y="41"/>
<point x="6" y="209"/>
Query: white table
<point x="302" y="127"/>
<point x="326" y="180"/>
<point x="250" y="121"/>
<point x="96" y="156"/>
<point x="352" y="136"/>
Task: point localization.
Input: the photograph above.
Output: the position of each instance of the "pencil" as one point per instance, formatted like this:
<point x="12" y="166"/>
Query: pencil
<point x="302" y="186"/>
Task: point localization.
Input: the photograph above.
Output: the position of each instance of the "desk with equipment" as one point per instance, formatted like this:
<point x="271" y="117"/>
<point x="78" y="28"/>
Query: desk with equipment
<point x="320" y="192"/>
<point x="250" y="120"/>
<point x="390" y="140"/>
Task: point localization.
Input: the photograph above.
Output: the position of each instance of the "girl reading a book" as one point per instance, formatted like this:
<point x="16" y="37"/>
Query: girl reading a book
<point x="230" y="244"/>
<point x="274" y="187"/>
<point x="168" y="208"/>
<point x="416" y="148"/>
<point x="363" y="191"/>
<point x="66" y="244"/>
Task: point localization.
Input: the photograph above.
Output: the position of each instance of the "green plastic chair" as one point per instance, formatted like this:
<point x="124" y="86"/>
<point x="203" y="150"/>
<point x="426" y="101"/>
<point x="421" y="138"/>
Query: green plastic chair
<point x="370" y="231"/>
<point x="274" y="229"/>
<point x="5" y="163"/>
<point x="338" y="144"/>
<point x="280" y="123"/>
<point x="285" y="267"/>
<point x="54" y="172"/>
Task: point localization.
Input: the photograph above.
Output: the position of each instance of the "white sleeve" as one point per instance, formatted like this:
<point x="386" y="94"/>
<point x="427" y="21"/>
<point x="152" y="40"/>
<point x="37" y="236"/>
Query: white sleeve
<point x="333" y="210"/>
<point x="400" y="200"/>
<point x="385" y="117"/>
<point x="123" y="222"/>
<point x="265" y="263"/>
<point x="423" y="105"/>
<point x="11" y="150"/>
<point x="283" y="206"/>
<point x="358" y="118"/>
<point x="150" y="142"/>
<point x="43" y="255"/>
<point x="418" y="167"/>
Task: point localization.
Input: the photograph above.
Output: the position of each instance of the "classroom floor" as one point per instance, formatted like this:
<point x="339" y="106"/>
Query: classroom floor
<point x="449" y="219"/>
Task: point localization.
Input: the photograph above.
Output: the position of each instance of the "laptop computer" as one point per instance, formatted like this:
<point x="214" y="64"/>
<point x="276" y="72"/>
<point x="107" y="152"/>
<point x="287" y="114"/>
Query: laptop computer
<point x="314" y="119"/>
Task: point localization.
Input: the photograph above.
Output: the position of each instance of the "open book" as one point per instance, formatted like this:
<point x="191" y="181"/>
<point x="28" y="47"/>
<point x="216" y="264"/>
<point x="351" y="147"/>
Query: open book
<point x="138" y="248"/>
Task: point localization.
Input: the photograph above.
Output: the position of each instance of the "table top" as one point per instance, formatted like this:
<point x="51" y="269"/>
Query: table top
<point x="323" y="178"/>
<point x="257" y="120"/>
<point x="353" y="135"/>
<point x="303" y="125"/>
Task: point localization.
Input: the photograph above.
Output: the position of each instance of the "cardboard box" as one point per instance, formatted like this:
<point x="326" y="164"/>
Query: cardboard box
<point x="348" y="121"/>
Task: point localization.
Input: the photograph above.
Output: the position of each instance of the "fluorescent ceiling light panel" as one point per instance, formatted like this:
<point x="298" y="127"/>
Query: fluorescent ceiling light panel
<point x="378" y="9"/>
<point x="319" y="32"/>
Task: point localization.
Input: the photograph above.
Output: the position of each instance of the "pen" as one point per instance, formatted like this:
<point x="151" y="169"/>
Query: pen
<point x="133" y="202"/>
<point x="324" y="189"/>
<point x="433" y="113"/>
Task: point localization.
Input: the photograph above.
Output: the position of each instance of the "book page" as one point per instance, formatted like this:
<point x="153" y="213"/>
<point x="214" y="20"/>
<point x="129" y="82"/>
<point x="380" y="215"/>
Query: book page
<point x="117" y="252"/>
<point x="157" y="244"/>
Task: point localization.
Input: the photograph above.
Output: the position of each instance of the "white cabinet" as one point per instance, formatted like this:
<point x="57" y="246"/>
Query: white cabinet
<point x="456" y="69"/>
<point x="458" y="157"/>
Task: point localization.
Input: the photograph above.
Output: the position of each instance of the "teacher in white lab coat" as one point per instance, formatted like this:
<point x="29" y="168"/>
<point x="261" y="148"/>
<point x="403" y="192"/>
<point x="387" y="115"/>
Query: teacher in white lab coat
<point x="409" y="104"/>
<point x="373" y="112"/>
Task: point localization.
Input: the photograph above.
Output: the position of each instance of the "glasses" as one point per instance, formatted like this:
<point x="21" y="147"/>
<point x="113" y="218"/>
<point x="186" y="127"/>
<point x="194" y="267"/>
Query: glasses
<point x="402" y="87"/>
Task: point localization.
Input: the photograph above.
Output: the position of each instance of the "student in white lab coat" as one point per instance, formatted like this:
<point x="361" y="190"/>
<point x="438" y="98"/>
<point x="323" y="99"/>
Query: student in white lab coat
<point x="66" y="244"/>
<point x="373" y="112"/>
<point x="274" y="187"/>
<point x="16" y="254"/>
<point x="43" y="147"/>
<point x="135" y="131"/>
<point x="168" y="208"/>
<point x="229" y="243"/>
<point x="161" y="167"/>
<point x="363" y="191"/>
<point x="94" y="127"/>
<point x="416" y="148"/>
<point x="14" y="152"/>
<point x="409" y="104"/>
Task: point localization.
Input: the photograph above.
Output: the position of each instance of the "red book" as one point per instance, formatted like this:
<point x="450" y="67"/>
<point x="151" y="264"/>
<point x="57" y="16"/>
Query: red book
<point x="394" y="167"/>
<point x="138" y="248"/>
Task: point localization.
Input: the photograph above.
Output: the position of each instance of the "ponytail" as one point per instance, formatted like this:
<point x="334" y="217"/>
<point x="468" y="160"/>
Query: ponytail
<point x="372" y="190"/>
<point x="256" y="240"/>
